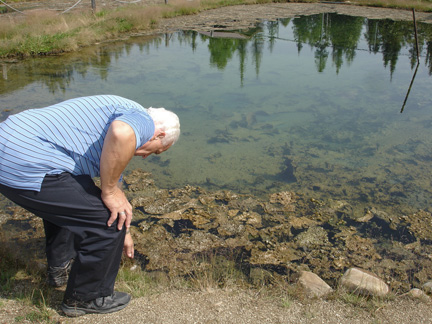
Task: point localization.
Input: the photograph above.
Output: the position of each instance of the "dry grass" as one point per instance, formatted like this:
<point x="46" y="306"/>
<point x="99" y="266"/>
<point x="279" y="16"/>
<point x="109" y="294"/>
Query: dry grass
<point x="44" y="31"/>
<point x="41" y="32"/>
<point x="419" y="5"/>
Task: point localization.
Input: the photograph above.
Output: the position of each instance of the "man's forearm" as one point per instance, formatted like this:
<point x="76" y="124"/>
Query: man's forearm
<point x="118" y="150"/>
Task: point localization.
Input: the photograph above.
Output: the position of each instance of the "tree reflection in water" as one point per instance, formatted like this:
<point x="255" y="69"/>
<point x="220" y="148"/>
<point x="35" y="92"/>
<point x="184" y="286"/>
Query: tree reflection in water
<point x="329" y="34"/>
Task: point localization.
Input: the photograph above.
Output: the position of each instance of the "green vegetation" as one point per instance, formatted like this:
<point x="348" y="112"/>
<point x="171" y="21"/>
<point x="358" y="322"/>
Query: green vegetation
<point x="133" y="280"/>
<point x="366" y="302"/>
<point x="25" y="283"/>
<point x="45" y="32"/>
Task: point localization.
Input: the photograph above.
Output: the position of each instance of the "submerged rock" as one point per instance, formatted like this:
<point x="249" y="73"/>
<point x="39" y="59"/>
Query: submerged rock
<point x="182" y="231"/>
<point x="278" y="256"/>
<point x="313" y="238"/>
<point x="420" y="225"/>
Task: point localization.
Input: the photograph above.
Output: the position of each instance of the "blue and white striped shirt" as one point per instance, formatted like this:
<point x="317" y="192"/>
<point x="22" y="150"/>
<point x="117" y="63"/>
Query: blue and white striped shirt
<point x="66" y="137"/>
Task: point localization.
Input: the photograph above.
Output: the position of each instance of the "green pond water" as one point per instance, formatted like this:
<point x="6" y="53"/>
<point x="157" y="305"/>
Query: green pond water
<point x="311" y="105"/>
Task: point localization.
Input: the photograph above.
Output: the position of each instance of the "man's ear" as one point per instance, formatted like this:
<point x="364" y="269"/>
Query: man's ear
<point x="160" y="134"/>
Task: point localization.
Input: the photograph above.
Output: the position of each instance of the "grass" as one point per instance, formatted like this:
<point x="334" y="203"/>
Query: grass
<point x="24" y="283"/>
<point x="369" y="303"/>
<point x="43" y="32"/>
<point x="133" y="280"/>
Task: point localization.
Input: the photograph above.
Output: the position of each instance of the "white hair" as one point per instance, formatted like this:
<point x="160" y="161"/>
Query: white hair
<point x="168" y="122"/>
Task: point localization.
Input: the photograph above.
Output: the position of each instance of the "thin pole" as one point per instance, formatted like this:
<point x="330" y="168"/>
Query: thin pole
<point x="418" y="62"/>
<point x="415" y="33"/>
<point x="409" y="89"/>
<point x="93" y="4"/>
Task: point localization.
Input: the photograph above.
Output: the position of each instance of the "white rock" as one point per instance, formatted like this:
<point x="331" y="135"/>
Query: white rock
<point x="313" y="285"/>
<point x="364" y="282"/>
<point x="427" y="287"/>
<point x="419" y="294"/>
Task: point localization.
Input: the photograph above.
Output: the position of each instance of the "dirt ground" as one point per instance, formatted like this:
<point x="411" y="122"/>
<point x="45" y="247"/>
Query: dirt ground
<point x="246" y="16"/>
<point x="237" y="306"/>
<point x="243" y="306"/>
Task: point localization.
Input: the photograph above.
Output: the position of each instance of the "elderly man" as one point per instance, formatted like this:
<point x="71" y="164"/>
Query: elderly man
<point x="48" y="157"/>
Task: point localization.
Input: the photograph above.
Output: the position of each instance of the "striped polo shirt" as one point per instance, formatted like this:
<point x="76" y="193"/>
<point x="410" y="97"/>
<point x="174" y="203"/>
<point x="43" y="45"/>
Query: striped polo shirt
<point x="65" y="137"/>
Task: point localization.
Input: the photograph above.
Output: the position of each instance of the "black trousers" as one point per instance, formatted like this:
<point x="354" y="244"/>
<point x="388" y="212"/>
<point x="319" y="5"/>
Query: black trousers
<point x="75" y="222"/>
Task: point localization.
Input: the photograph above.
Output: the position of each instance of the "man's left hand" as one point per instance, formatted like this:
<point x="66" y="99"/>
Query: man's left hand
<point x="128" y="247"/>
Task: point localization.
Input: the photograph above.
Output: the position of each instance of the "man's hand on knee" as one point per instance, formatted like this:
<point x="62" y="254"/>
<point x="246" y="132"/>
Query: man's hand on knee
<point x="119" y="206"/>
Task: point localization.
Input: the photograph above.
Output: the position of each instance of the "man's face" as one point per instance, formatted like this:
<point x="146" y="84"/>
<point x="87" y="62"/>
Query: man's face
<point x="153" y="146"/>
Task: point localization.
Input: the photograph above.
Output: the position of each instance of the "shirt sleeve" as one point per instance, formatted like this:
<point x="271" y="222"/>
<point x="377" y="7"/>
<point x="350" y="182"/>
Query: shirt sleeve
<point x="141" y="123"/>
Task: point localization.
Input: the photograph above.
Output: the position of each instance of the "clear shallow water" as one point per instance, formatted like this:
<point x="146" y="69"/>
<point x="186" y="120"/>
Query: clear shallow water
<point x="310" y="104"/>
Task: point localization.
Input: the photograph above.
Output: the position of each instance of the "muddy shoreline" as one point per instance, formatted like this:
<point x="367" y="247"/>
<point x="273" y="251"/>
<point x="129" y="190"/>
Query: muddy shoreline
<point x="246" y="16"/>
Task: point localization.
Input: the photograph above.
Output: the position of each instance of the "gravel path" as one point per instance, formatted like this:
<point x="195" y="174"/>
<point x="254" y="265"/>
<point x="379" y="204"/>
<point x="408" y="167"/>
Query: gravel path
<point x="240" y="306"/>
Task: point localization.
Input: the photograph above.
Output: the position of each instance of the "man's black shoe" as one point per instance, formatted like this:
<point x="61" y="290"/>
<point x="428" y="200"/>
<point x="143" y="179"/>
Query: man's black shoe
<point x="58" y="276"/>
<point x="101" y="305"/>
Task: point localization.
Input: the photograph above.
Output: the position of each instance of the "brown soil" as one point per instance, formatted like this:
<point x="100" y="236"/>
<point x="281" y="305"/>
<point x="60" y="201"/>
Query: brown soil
<point x="241" y="306"/>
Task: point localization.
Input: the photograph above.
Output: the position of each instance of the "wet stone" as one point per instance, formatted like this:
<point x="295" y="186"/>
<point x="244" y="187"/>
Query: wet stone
<point x="420" y="224"/>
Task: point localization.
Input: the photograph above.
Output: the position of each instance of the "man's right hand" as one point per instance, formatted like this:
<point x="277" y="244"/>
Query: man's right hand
<point x="119" y="206"/>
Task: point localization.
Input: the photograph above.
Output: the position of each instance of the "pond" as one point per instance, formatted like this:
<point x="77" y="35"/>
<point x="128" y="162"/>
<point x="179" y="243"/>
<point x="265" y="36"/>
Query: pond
<point x="324" y="105"/>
